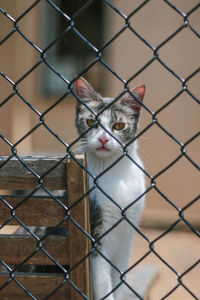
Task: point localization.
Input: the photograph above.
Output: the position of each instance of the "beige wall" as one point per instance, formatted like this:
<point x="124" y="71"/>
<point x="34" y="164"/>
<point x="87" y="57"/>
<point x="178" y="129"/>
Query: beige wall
<point x="155" y="22"/>
<point x="126" y="56"/>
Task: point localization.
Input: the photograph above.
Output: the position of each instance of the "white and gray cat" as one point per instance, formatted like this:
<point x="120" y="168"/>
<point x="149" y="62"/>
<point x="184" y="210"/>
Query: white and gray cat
<point x="107" y="131"/>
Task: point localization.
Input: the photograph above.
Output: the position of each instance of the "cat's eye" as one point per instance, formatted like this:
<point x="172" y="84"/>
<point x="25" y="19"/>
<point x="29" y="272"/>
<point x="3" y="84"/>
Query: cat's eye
<point x="119" y="126"/>
<point x="90" y="123"/>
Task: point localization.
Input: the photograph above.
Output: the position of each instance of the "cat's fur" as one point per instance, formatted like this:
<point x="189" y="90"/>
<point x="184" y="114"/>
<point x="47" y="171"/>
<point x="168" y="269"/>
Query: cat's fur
<point x="118" y="197"/>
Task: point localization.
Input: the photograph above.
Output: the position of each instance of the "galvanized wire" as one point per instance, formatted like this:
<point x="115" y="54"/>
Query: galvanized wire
<point x="99" y="58"/>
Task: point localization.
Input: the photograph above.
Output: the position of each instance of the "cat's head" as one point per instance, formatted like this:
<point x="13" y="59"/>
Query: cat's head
<point x="105" y="128"/>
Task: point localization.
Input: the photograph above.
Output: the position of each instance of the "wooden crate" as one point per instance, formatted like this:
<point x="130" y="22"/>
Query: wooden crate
<point x="44" y="211"/>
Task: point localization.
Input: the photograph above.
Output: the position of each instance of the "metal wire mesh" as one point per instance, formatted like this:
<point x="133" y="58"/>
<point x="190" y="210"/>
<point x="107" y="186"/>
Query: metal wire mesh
<point x="99" y="58"/>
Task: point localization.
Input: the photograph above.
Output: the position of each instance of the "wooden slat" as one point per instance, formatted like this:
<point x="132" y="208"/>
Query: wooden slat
<point x="66" y="250"/>
<point x="14" y="249"/>
<point x="40" y="285"/>
<point x="35" y="211"/>
<point x="13" y="175"/>
<point x="79" y="244"/>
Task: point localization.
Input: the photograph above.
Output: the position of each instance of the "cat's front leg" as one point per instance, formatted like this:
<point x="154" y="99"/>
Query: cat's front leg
<point x="102" y="281"/>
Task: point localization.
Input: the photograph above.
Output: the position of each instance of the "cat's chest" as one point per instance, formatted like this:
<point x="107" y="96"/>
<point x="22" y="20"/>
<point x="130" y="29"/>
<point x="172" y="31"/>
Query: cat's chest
<point x="117" y="187"/>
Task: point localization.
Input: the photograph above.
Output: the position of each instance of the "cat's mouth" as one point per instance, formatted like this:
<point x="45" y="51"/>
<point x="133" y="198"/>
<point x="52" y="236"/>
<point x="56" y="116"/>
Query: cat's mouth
<point x="102" y="148"/>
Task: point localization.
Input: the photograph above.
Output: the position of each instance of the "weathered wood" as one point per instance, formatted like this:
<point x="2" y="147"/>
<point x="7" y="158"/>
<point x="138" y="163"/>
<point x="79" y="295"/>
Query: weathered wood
<point x="79" y="246"/>
<point x="13" y="175"/>
<point x="42" y="211"/>
<point x="40" y="285"/>
<point x="35" y="211"/>
<point x="14" y="249"/>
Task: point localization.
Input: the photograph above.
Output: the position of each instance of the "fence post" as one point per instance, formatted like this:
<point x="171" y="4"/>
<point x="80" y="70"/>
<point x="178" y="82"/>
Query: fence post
<point x="79" y="243"/>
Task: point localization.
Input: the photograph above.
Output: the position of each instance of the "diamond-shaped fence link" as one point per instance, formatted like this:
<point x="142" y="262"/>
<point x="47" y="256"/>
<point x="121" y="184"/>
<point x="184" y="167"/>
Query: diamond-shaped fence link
<point x="44" y="50"/>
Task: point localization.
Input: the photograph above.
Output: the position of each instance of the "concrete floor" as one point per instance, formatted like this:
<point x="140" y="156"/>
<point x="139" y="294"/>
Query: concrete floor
<point x="180" y="250"/>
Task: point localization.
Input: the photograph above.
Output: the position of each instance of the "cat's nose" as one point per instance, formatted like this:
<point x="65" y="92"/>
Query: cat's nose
<point x="104" y="139"/>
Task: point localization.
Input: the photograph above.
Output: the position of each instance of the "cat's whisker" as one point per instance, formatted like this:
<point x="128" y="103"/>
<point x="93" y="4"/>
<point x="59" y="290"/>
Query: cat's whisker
<point x="80" y="148"/>
<point x="143" y="138"/>
<point x="69" y="140"/>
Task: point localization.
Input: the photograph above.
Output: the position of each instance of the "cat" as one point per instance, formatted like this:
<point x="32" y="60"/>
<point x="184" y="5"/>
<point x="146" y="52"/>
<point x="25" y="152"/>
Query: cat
<point x="106" y="133"/>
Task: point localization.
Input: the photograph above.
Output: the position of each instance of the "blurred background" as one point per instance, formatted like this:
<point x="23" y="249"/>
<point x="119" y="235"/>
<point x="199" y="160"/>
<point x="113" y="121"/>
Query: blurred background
<point x="125" y="55"/>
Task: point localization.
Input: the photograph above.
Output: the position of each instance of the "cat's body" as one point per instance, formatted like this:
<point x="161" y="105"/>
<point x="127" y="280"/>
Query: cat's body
<point x="116" y="245"/>
<point x="117" y="190"/>
<point x="117" y="199"/>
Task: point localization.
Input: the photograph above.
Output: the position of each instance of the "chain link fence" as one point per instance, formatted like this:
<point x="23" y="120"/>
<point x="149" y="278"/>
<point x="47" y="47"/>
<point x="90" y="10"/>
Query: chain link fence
<point x="97" y="53"/>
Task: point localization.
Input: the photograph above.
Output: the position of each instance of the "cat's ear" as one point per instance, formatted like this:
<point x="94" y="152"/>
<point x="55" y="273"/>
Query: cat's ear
<point x="84" y="90"/>
<point x="139" y="92"/>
